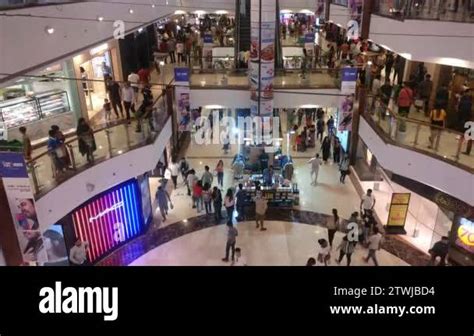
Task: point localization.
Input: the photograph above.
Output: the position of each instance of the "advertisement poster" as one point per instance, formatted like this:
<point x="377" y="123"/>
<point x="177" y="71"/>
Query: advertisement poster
<point x="309" y="39"/>
<point x="55" y="246"/>
<point x="348" y="80"/>
<point x="22" y="205"/>
<point x="109" y="220"/>
<point x="346" y="114"/>
<point x="146" y="198"/>
<point x="465" y="235"/>
<point x="182" y="94"/>
<point x="267" y="75"/>
<point x="398" y="212"/>
<point x="208" y="44"/>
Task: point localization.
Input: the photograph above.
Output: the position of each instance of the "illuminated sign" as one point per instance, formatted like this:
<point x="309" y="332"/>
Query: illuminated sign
<point x="465" y="235"/>
<point x="99" y="49"/>
<point x="109" y="220"/>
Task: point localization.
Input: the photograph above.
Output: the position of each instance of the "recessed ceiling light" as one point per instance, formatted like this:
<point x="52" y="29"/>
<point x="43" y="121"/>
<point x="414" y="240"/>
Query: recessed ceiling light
<point x="153" y="6"/>
<point x="140" y="29"/>
<point x="49" y="30"/>
<point x="130" y="11"/>
<point x="100" y="18"/>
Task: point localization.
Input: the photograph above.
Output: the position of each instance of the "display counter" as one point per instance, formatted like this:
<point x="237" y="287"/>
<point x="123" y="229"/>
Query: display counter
<point x="38" y="112"/>
<point x="278" y="195"/>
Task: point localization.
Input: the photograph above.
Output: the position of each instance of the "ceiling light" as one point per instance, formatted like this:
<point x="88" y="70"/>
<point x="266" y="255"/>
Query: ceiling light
<point x="49" y="30"/>
<point x="179" y="12"/>
<point x="140" y="29"/>
<point x="100" y="18"/>
<point x="153" y="6"/>
<point x="130" y="11"/>
<point x="221" y="12"/>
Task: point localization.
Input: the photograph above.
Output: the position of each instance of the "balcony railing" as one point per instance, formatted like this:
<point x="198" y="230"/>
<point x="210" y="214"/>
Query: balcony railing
<point x="440" y="10"/>
<point x="112" y="139"/>
<point x="16" y="4"/>
<point x="223" y="75"/>
<point x="441" y="143"/>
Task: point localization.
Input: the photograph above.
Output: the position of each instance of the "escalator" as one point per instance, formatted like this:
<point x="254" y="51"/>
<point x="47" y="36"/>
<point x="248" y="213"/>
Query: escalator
<point x="242" y="30"/>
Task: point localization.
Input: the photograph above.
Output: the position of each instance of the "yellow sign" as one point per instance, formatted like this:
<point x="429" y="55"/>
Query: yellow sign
<point x="398" y="209"/>
<point x="465" y="233"/>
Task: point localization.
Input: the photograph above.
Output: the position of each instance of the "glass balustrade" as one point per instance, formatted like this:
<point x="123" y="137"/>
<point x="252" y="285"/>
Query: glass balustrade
<point x="441" y="10"/>
<point x="111" y="139"/>
<point x="444" y="143"/>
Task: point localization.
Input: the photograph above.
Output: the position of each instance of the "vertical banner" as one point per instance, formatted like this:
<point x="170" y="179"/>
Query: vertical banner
<point x="348" y="80"/>
<point x="262" y="56"/>
<point x="208" y="44"/>
<point x="398" y="212"/>
<point x="182" y="94"/>
<point x="346" y="114"/>
<point x="22" y="205"/>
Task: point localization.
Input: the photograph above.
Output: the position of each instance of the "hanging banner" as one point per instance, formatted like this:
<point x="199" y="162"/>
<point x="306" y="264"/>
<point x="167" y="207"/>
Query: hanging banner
<point x="182" y="94"/>
<point x="346" y="114"/>
<point x="398" y="213"/>
<point x="348" y="80"/>
<point x="208" y="44"/>
<point x="14" y="174"/>
<point x="320" y="8"/>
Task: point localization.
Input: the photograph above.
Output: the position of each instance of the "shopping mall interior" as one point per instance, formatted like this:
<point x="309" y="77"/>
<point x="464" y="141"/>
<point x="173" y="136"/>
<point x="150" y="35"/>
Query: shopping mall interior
<point x="174" y="133"/>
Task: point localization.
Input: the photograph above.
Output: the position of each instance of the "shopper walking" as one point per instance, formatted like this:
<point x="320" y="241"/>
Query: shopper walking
<point x="78" y="253"/>
<point x="56" y="154"/>
<point x="229" y="203"/>
<point x="171" y="44"/>
<point x="239" y="258"/>
<point x="324" y="255"/>
<point x="197" y="196"/>
<point x="128" y="98"/>
<point x="207" y="177"/>
<point x="389" y="63"/>
<point x="439" y="250"/>
<point x="144" y="76"/>
<point x="25" y="139"/>
<point x="174" y="170"/>
<point x="424" y="92"/>
<point x="336" y="151"/>
<point x="344" y="168"/>
<point x="261" y="206"/>
<point x="346" y="248"/>
<point x="375" y="241"/>
<point x="367" y="203"/>
<point x="162" y="199"/>
<point x="438" y="121"/>
<point x="320" y="129"/>
<point x="134" y="80"/>
<point x="191" y="179"/>
<point x="332" y="226"/>
<point x="240" y="199"/>
<point x="405" y="100"/>
<point x="220" y="173"/>
<point x="207" y="198"/>
<point x="326" y="149"/>
<point x="87" y="145"/>
<point x="184" y="168"/>
<point x="232" y="234"/>
<point x="217" y="200"/>
<point x="113" y="90"/>
<point x="315" y="165"/>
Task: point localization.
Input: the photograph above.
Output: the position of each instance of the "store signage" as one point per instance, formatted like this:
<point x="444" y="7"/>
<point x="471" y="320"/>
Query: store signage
<point x="207" y="39"/>
<point x="309" y="38"/>
<point x="398" y="213"/>
<point x="181" y="74"/>
<point x="99" y="49"/>
<point x="465" y="235"/>
<point x="14" y="174"/>
<point x="348" y="80"/>
<point x="109" y="220"/>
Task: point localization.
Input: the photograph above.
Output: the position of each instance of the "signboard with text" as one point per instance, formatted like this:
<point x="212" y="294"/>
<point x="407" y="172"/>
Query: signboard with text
<point x="398" y="212"/>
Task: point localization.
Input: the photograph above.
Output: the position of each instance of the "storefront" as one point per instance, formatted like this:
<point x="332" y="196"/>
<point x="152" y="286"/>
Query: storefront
<point x="37" y="103"/>
<point x="92" y="66"/>
<point x="429" y="214"/>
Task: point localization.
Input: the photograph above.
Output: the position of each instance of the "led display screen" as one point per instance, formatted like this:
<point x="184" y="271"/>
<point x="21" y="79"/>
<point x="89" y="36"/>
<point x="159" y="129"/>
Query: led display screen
<point x="465" y="235"/>
<point x="109" y="220"/>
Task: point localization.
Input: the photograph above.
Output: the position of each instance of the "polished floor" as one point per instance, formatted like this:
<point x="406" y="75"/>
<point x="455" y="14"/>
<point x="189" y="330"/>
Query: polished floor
<point x="283" y="244"/>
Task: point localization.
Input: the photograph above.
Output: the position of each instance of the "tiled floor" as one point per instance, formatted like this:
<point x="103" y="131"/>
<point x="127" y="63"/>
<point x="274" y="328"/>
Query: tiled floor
<point x="283" y="244"/>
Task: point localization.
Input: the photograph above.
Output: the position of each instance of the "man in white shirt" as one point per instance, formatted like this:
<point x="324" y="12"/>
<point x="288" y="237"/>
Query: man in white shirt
<point x="134" y="79"/>
<point x="174" y="169"/>
<point x="78" y="253"/>
<point x="367" y="203"/>
<point x="315" y="162"/>
<point x="239" y="259"/>
<point x="374" y="245"/>
<point x="128" y="98"/>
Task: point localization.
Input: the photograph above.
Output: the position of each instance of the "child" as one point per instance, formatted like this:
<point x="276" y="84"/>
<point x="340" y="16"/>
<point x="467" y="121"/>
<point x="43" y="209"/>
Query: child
<point x="107" y="109"/>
